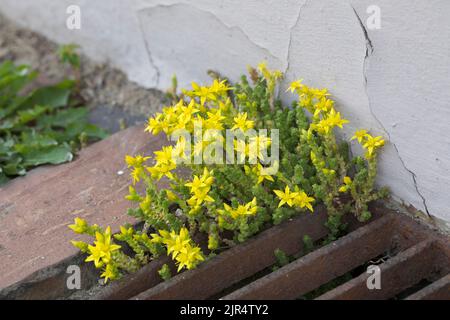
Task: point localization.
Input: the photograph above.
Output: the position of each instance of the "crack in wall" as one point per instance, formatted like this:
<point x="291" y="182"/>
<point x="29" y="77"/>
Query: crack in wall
<point x="369" y="51"/>
<point x="147" y="48"/>
<point x="214" y="16"/>
<point x="231" y="27"/>
<point x="297" y="20"/>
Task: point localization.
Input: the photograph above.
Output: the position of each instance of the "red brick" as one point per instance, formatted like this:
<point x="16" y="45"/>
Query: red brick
<point x="35" y="210"/>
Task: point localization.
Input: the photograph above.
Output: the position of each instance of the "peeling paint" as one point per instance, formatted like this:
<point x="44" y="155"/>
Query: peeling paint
<point x="290" y="34"/>
<point x="369" y="51"/>
<point x="212" y="43"/>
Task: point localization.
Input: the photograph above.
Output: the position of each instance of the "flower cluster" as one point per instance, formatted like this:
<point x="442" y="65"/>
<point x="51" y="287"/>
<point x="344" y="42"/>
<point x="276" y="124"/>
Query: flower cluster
<point x="200" y="186"/>
<point x="101" y="253"/>
<point x="228" y="203"/>
<point x="102" y="248"/>
<point x="137" y="163"/>
<point x="180" y="246"/>
<point x="248" y="209"/>
<point x="368" y="142"/>
<point x="164" y="164"/>
<point x="331" y="159"/>
<point x="297" y="198"/>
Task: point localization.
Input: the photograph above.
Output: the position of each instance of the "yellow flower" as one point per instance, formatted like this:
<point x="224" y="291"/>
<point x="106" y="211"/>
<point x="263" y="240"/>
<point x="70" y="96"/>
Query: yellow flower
<point x="127" y="232"/>
<point x="200" y="146"/>
<point x="196" y="185"/>
<point x="176" y="242"/>
<point x="207" y="177"/>
<point x="156" y="238"/>
<point x="242" y="123"/>
<point x="271" y="77"/>
<point x="262" y="67"/>
<point x="219" y="87"/>
<point x="306" y="101"/>
<point x="202" y="183"/>
<point x="189" y="257"/>
<point x="225" y="106"/>
<point x="154" y="124"/>
<point x="226" y="210"/>
<point x="179" y="245"/>
<point x="360" y="135"/>
<point x="258" y="171"/>
<point x="133" y="195"/>
<point x="164" y="155"/>
<point x="295" y="86"/>
<point x="83" y="246"/>
<point x="319" y="93"/>
<point x="277" y="74"/>
<point x="102" y="248"/>
<point x="136" y="162"/>
<point x="302" y="200"/>
<point x="347" y="184"/>
<point x="322" y="127"/>
<point x="204" y="93"/>
<point x="248" y="209"/>
<point x="242" y="150"/>
<point x="145" y="204"/>
<point x="287" y="196"/>
<point x="136" y="174"/>
<point x="161" y="170"/>
<point x="214" y="121"/>
<point x="96" y="255"/>
<point x="323" y="106"/>
<point x="200" y="187"/>
<point x="190" y="109"/>
<point x="110" y="272"/>
<point x="164" y="163"/>
<point x="297" y="198"/>
<point x="372" y="143"/>
<point x="347" y="180"/>
<point x="171" y="196"/>
<point x="335" y="120"/>
<point x="80" y="225"/>
<point x="313" y="99"/>
<point x="259" y="144"/>
<point x="173" y="118"/>
<point x="198" y="198"/>
<point x="179" y="150"/>
<point x="328" y="172"/>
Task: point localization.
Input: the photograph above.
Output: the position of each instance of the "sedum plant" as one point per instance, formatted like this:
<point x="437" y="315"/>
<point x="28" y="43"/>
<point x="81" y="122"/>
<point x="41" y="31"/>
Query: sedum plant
<point x="211" y="205"/>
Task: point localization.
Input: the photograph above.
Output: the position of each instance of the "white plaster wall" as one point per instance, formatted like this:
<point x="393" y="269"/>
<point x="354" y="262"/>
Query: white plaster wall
<point x="394" y="81"/>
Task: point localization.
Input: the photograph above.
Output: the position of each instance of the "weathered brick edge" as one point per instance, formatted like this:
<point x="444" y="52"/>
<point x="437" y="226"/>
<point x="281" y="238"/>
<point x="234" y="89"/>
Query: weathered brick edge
<point x="35" y="210"/>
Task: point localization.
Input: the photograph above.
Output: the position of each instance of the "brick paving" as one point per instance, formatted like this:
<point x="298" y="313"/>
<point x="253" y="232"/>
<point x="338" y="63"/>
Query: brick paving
<point x="35" y="210"/>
